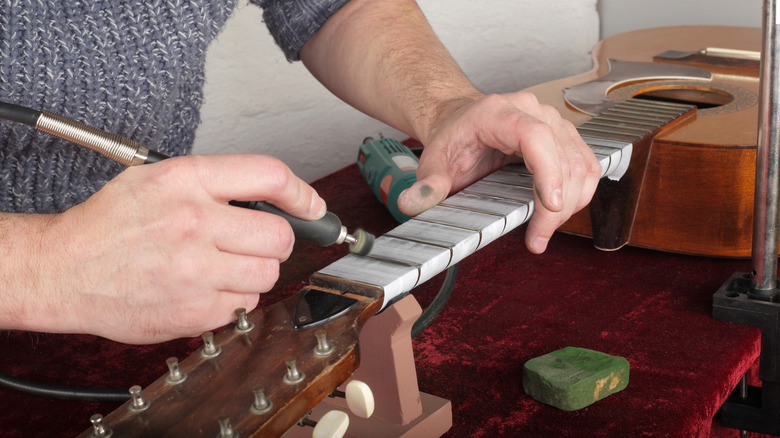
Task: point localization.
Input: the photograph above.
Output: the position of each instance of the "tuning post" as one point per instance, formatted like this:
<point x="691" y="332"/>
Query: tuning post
<point x="242" y="322"/>
<point x="225" y="429"/>
<point x="261" y="405"/>
<point x="210" y="349"/>
<point x="333" y="424"/>
<point x="293" y="375"/>
<point x="138" y="403"/>
<point x="99" y="430"/>
<point x="175" y="375"/>
<point x="324" y="347"/>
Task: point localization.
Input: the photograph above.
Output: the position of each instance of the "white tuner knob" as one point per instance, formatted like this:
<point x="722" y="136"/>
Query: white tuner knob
<point x="332" y="425"/>
<point x="360" y="399"/>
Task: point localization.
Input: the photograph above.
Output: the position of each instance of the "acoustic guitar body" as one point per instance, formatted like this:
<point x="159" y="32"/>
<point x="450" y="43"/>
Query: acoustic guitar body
<point x="690" y="186"/>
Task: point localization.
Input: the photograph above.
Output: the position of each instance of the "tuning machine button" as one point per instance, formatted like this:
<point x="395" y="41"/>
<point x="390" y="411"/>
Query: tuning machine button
<point x="333" y="424"/>
<point x="360" y="398"/>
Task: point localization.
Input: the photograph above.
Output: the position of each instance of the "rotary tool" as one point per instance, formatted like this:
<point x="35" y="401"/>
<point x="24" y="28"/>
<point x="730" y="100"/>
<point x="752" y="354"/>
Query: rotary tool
<point x="389" y="168"/>
<point x="325" y="231"/>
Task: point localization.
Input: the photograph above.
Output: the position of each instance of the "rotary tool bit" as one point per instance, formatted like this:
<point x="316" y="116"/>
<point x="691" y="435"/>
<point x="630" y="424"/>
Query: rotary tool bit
<point x="325" y="231"/>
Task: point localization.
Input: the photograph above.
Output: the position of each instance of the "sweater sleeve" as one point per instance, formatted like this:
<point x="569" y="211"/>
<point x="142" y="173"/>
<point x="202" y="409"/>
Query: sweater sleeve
<point x="293" y="22"/>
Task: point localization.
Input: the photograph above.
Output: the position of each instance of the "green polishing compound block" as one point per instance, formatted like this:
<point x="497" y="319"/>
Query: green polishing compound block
<point x="572" y="378"/>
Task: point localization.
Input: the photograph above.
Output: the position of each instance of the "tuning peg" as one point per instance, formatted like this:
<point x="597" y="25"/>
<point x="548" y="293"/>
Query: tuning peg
<point x="242" y="322"/>
<point x="139" y="403"/>
<point x="175" y="375"/>
<point x="99" y="430"/>
<point x="225" y="429"/>
<point x="293" y="375"/>
<point x="360" y="398"/>
<point x="332" y="425"/>
<point x="210" y="349"/>
<point x="324" y="347"/>
<point x="261" y="404"/>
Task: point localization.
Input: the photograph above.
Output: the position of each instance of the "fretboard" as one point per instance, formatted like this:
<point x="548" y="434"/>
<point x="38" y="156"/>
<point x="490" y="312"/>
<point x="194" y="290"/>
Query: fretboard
<point x="442" y="236"/>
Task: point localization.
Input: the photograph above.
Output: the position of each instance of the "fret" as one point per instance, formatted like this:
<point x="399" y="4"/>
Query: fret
<point x="617" y="136"/>
<point x="489" y="226"/>
<point x="460" y="241"/>
<point x="637" y="121"/>
<point x="638" y="112"/>
<point x="513" y="178"/>
<point x="620" y="127"/>
<point x="515" y="193"/>
<point x="428" y="259"/>
<point x="682" y="108"/>
<point x="515" y="213"/>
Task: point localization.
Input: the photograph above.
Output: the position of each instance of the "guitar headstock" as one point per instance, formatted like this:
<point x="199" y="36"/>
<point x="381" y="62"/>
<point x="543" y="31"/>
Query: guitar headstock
<point x="296" y="364"/>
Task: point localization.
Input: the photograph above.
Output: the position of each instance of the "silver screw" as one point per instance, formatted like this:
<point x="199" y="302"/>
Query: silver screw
<point x="139" y="403"/>
<point x="293" y="375"/>
<point x="323" y="347"/>
<point x="175" y="375"/>
<point x="210" y="349"/>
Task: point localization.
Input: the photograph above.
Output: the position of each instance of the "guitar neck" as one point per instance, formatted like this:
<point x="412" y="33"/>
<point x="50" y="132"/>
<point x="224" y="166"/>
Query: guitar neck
<point x="440" y="237"/>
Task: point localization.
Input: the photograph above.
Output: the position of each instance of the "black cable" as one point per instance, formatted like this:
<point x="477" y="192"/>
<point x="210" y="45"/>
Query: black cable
<point x="438" y="303"/>
<point x="30" y="117"/>
<point x="19" y="114"/>
<point x="64" y="392"/>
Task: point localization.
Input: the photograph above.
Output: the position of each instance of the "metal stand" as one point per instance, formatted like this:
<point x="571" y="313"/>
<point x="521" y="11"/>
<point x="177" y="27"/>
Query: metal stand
<point x="752" y="299"/>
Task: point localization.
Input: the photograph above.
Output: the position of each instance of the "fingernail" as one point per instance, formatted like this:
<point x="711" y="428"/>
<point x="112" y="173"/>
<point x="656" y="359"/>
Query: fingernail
<point x="539" y="244"/>
<point x="557" y="198"/>
<point x="323" y="208"/>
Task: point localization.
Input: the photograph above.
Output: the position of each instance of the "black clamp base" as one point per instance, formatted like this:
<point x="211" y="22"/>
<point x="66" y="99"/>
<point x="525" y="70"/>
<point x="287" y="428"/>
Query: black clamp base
<point x="759" y="409"/>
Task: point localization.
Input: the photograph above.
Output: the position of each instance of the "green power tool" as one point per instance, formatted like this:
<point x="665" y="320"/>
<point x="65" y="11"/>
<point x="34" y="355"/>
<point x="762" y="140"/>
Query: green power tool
<point x="389" y="168"/>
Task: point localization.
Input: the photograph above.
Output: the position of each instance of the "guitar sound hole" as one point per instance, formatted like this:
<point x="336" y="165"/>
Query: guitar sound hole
<point x="703" y="98"/>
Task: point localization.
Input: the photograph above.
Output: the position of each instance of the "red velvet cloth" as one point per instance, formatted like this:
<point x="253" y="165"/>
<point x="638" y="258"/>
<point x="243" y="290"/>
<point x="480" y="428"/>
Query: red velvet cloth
<point x="508" y="306"/>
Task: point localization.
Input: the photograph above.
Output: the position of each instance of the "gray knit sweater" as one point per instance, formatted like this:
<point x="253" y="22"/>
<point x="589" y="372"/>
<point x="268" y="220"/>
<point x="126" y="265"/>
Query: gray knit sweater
<point x="131" y="67"/>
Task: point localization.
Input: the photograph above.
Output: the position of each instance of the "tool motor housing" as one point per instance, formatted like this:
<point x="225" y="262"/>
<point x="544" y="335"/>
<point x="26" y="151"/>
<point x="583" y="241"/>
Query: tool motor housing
<point x="389" y="168"/>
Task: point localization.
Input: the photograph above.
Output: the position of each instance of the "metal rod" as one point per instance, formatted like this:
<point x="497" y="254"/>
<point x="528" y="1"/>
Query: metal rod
<point x="765" y="215"/>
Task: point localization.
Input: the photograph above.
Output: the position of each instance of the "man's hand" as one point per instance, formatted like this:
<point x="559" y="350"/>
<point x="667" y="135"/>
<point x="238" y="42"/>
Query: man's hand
<point x="405" y="77"/>
<point x="478" y="136"/>
<point x="158" y="253"/>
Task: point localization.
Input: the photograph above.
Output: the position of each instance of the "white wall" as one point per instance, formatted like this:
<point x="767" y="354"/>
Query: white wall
<point x="257" y="102"/>
<point x="618" y="16"/>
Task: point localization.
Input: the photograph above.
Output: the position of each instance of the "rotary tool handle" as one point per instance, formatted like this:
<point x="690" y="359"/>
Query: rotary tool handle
<point x="324" y="231"/>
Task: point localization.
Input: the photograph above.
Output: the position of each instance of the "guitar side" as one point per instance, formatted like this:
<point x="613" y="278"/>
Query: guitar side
<point x="694" y="186"/>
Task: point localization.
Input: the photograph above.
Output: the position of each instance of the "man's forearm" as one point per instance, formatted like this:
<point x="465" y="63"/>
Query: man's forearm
<point x="383" y="58"/>
<point x="25" y="274"/>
